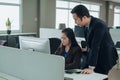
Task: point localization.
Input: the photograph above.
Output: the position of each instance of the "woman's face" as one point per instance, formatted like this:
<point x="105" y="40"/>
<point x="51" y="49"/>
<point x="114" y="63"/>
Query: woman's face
<point x="65" y="40"/>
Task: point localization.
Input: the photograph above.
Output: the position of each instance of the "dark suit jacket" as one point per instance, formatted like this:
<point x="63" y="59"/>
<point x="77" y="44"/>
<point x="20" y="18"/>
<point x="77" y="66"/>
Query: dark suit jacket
<point x="72" y="59"/>
<point x="102" y="52"/>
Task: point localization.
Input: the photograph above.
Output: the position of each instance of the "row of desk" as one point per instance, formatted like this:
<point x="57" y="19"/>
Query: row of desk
<point x="74" y="76"/>
<point x="93" y="76"/>
<point x="9" y="57"/>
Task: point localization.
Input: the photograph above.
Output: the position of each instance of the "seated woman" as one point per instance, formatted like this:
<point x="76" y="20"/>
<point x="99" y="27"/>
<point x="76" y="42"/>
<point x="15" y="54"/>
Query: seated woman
<point x="69" y="49"/>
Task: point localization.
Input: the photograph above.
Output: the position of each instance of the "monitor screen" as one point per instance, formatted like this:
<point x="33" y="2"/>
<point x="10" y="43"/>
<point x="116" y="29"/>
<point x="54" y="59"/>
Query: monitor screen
<point x="34" y="44"/>
<point x="79" y="31"/>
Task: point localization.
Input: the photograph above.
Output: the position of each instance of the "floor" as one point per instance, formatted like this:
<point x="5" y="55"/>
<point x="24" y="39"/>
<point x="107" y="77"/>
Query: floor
<point x="114" y="74"/>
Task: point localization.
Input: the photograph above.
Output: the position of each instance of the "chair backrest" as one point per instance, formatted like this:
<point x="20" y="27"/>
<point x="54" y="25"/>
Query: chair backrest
<point x="79" y="39"/>
<point x="83" y="44"/>
<point x="84" y="55"/>
<point x="54" y="44"/>
<point x="117" y="44"/>
<point x="3" y="42"/>
<point x="83" y="61"/>
<point x="79" y="31"/>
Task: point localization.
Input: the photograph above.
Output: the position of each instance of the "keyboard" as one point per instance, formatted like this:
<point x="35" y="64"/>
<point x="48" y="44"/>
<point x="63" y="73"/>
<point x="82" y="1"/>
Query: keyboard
<point x="70" y="71"/>
<point x="67" y="78"/>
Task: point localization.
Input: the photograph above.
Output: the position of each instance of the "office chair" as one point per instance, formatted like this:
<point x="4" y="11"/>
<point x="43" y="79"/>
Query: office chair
<point x="84" y="56"/>
<point x="117" y="44"/>
<point x="79" y="31"/>
<point x="54" y="44"/>
<point x="3" y="42"/>
<point x="83" y="61"/>
<point x="117" y="27"/>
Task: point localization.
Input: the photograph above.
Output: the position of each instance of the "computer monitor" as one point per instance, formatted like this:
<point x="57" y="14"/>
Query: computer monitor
<point x="34" y="44"/>
<point x="79" y="31"/>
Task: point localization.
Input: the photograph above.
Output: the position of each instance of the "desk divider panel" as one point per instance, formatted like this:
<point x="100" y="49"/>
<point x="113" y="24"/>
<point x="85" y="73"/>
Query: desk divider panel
<point x="29" y="65"/>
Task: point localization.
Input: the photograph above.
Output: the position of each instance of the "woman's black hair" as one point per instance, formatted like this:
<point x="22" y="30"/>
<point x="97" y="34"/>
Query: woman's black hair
<point x="71" y="36"/>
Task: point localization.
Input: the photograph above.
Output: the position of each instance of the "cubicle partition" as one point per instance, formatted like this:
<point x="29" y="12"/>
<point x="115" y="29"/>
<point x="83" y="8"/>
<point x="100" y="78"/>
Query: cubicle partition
<point x="49" y="33"/>
<point x="115" y="34"/>
<point x="29" y="65"/>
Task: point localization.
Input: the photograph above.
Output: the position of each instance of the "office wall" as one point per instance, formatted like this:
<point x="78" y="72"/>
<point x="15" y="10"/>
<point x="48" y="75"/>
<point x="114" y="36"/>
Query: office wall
<point x="106" y="10"/>
<point x="29" y="14"/>
<point x="47" y="13"/>
<point x="111" y="13"/>
<point x="85" y="0"/>
<point x="103" y="11"/>
<point x="102" y="4"/>
<point x="51" y="19"/>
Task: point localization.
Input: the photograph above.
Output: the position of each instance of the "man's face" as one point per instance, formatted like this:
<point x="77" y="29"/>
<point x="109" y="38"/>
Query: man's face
<point x="78" y="21"/>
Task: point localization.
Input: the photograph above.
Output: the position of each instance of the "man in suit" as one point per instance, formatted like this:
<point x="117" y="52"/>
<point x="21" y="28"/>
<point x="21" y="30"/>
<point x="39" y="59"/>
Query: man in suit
<point x="102" y="54"/>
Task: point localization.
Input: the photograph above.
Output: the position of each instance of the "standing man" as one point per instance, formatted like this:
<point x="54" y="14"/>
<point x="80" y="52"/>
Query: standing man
<point x="102" y="54"/>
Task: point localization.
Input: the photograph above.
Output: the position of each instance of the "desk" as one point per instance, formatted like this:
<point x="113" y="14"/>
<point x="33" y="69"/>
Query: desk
<point x="93" y="76"/>
<point x="12" y="40"/>
<point x="20" y="34"/>
<point x="118" y="63"/>
<point x="7" y="77"/>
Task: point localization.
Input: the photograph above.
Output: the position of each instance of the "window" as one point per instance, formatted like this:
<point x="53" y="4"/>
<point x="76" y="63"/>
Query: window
<point x="10" y="9"/>
<point x="63" y="12"/>
<point x="116" y="17"/>
<point x="93" y="9"/>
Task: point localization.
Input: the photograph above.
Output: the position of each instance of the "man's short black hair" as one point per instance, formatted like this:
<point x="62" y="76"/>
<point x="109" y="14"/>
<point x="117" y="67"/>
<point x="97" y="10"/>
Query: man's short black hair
<point x="81" y="11"/>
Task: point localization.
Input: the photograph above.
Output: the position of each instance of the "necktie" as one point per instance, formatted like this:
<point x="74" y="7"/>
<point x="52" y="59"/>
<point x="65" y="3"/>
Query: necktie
<point x="86" y="33"/>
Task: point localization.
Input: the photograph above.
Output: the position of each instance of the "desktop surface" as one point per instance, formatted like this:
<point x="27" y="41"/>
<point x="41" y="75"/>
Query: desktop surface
<point x="93" y="76"/>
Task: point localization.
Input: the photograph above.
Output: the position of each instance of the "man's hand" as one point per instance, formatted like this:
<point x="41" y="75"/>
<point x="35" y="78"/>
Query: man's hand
<point x="84" y="49"/>
<point x="87" y="71"/>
